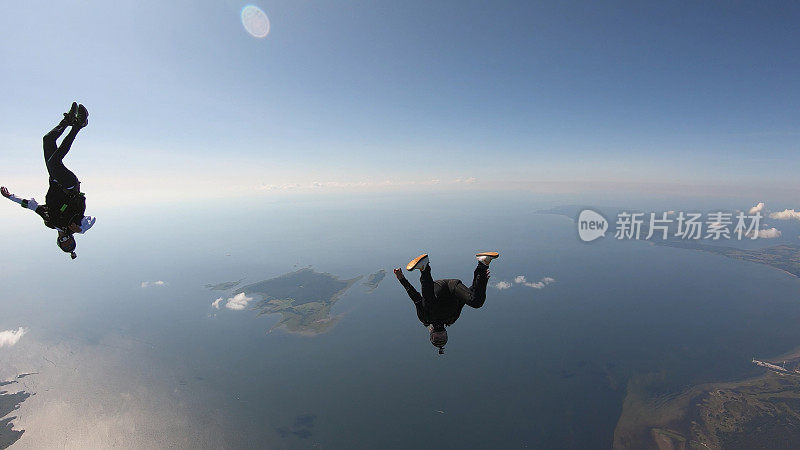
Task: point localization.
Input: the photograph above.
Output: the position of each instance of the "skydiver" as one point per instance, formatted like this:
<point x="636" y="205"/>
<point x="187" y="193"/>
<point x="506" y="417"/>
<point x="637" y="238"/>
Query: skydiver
<point x="441" y="301"/>
<point x="65" y="204"/>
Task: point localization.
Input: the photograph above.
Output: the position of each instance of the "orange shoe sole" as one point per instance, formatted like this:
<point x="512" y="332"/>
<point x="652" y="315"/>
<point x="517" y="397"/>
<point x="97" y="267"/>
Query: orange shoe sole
<point x="410" y="266"/>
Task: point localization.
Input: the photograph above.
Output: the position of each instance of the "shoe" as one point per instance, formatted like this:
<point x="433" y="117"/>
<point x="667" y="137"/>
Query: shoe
<point x="81" y="117"/>
<point x="69" y="116"/>
<point x="420" y="262"/>
<point x="487" y="257"/>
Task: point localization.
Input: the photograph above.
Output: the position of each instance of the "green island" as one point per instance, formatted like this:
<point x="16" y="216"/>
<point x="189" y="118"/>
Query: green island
<point x="303" y="298"/>
<point x="374" y="280"/>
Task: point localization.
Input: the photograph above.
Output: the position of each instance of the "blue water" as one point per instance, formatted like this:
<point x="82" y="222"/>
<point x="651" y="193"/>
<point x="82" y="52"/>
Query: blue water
<point x="539" y="368"/>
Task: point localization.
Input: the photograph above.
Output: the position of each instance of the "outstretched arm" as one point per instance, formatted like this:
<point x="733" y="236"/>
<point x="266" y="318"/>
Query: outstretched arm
<point x="29" y="204"/>
<point x="415" y="297"/>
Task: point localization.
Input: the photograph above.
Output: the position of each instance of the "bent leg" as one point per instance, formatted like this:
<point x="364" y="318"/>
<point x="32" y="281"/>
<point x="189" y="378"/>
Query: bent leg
<point x="54" y="155"/>
<point x="63" y="177"/>
<point x="480" y="276"/>
<point x="63" y="149"/>
<point x="49" y="141"/>
<point x="474" y="296"/>
<point x="466" y="295"/>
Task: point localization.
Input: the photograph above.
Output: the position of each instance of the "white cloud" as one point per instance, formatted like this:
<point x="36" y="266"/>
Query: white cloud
<point x="215" y="303"/>
<point x="520" y="279"/>
<point x="786" y="214"/>
<point x="11" y="337"/>
<point x="768" y="233"/>
<point x="146" y="284"/>
<point x="282" y="187"/>
<point x="502" y="285"/>
<point x="238" y="302"/>
<point x="758" y="208"/>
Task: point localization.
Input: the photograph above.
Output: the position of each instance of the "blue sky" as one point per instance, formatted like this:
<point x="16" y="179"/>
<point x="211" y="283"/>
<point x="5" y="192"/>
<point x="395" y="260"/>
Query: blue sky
<point x="373" y="95"/>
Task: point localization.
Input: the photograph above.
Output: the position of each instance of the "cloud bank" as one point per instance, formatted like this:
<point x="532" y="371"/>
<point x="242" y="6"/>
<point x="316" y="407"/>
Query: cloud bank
<point x="317" y="185"/>
<point x="502" y="285"/>
<point x="215" y="303"/>
<point x="768" y="233"/>
<point x="523" y="281"/>
<point x="758" y="208"/>
<point x="147" y="284"/>
<point x="520" y="279"/>
<point x="786" y="214"/>
<point x="237" y="302"/>
<point x="11" y="337"/>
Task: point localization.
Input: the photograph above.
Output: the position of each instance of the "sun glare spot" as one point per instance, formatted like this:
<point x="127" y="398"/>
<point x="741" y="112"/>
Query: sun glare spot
<point x="255" y="21"/>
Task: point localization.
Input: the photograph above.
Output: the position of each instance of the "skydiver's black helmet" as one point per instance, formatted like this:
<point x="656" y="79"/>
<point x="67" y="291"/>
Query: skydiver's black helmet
<point x="438" y="337"/>
<point x="67" y="245"/>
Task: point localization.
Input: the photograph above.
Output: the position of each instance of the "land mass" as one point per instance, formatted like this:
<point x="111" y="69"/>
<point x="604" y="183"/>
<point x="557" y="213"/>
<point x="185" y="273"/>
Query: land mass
<point x="785" y="257"/>
<point x="303" y="298"/>
<point x="9" y="402"/>
<point x="374" y="280"/>
<point x="224" y="286"/>
<point x="761" y="412"/>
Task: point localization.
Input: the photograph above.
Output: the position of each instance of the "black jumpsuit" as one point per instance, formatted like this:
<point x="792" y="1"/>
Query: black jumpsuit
<point x="64" y="203"/>
<point x="441" y="301"/>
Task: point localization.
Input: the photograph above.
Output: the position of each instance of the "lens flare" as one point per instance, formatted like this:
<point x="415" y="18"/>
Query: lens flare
<point x="255" y="21"/>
